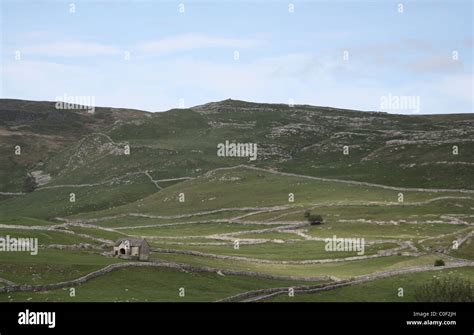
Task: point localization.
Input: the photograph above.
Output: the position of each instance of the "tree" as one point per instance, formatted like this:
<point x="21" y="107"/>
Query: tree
<point x="314" y="219"/>
<point x="439" y="262"/>
<point x="29" y="184"/>
<point x="445" y="289"/>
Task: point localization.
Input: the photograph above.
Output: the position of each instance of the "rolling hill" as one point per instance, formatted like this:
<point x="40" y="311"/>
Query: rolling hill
<point x="403" y="183"/>
<point x="73" y="146"/>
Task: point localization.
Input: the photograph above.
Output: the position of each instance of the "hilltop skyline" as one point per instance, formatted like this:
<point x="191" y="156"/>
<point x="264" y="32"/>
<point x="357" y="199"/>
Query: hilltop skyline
<point x="154" y="56"/>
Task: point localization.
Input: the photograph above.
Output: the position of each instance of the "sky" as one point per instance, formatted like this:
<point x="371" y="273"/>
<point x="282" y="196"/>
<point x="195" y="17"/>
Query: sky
<point x="157" y="55"/>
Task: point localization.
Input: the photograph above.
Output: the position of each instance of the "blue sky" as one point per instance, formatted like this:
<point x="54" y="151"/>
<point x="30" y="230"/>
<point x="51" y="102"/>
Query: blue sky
<point x="189" y="57"/>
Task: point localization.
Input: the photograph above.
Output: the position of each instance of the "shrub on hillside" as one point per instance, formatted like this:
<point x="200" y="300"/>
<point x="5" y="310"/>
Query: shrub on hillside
<point x="439" y="262"/>
<point x="29" y="185"/>
<point x="313" y="219"/>
<point x="445" y="289"/>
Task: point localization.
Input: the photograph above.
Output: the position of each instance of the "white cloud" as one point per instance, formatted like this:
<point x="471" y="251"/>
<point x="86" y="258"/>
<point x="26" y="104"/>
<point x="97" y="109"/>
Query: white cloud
<point x="158" y="84"/>
<point x="436" y="64"/>
<point x="192" y="41"/>
<point x="70" y="49"/>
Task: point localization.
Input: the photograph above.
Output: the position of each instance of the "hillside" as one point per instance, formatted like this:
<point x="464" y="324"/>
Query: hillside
<point x="42" y="131"/>
<point x="75" y="147"/>
<point x="226" y="228"/>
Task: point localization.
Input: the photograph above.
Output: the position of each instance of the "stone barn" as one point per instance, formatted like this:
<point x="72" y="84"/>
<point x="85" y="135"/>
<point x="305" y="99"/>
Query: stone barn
<point x="132" y="248"/>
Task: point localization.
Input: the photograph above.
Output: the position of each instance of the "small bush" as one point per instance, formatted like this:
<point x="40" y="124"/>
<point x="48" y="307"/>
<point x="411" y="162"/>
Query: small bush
<point x="439" y="262"/>
<point x="315" y="219"/>
<point x="29" y="184"/>
<point x="446" y="289"/>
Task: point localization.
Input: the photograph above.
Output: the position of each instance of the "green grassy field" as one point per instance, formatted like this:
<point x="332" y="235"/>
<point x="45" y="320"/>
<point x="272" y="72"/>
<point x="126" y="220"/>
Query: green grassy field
<point x="50" y="265"/>
<point x="340" y="270"/>
<point x="49" y="203"/>
<point x="299" y="250"/>
<point x="381" y="290"/>
<point x="218" y="201"/>
<point x="47" y="237"/>
<point x="155" y="285"/>
<point x="385" y="231"/>
<point x="224" y="189"/>
<point x="196" y="229"/>
<point x="466" y="250"/>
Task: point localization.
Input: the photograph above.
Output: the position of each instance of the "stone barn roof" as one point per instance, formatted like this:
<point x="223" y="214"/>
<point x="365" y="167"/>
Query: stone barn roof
<point x="134" y="241"/>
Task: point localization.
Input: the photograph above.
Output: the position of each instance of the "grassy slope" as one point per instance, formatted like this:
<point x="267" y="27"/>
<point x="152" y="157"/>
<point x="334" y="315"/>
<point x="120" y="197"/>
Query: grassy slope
<point x="183" y="143"/>
<point x="42" y="132"/>
<point x="231" y="188"/>
<point x="382" y="290"/>
<point x="154" y="285"/>
<point x="47" y="237"/>
<point x="49" y="203"/>
<point x="341" y="270"/>
<point x="301" y="250"/>
<point x="305" y="139"/>
<point x="50" y="265"/>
